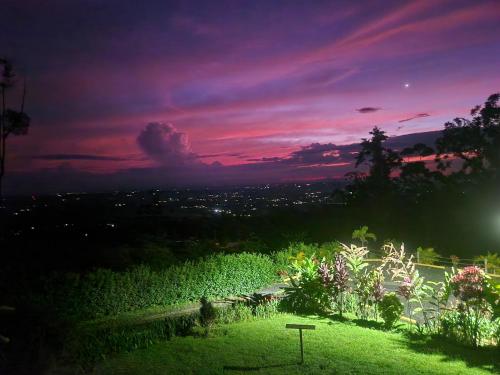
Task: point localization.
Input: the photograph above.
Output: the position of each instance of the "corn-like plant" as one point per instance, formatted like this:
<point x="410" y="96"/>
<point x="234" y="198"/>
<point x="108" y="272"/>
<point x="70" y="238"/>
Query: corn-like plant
<point x="355" y="257"/>
<point x="412" y="286"/>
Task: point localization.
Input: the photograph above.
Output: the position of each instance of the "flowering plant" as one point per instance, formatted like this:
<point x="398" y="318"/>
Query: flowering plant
<point x="406" y="287"/>
<point x="469" y="284"/>
<point x="470" y="287"/>
<point x="412" y="286"/>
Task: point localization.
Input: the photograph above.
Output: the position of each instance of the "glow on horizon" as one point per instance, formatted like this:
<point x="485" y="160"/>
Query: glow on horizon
<point x="243" y="84"/>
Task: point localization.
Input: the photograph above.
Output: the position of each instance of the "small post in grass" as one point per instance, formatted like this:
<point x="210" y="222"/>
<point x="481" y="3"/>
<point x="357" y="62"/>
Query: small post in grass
<point x="300" y="327"/>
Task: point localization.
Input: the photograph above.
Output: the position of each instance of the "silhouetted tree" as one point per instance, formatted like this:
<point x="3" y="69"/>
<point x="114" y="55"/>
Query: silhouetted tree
<point x="476" y="141"/>
<point x="11" y="121"/>
<point x="381" y="160"/>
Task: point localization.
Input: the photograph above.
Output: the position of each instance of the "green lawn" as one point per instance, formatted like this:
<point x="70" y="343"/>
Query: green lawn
<point x="266" y="347"/>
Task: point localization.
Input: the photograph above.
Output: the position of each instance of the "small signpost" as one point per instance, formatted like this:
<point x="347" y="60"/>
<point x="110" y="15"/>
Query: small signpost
<point x="300" y="327"/>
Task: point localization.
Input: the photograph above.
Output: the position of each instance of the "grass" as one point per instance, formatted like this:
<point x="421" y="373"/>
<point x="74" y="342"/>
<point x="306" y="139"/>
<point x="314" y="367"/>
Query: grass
<point x="266" y="347"/>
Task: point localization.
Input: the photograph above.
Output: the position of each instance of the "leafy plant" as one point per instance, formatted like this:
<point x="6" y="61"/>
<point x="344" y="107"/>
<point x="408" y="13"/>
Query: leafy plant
<point x="328" y="250"/>
<point x="340" y="282"/>
<point x="412" y="286"/>
<point x="427" y="255"/>
<point x="438" y="298"/>
<point x="355" y="261"/>
<point x="469" y="286"/>
<point x="307" y="293"/>
<point x="492" y="261"/>
<point x="391" y="309"/>
<point x="355" y="258"/>
<point x="104" y="292"/>
<point x="207" y="314"/>
<point x="363" y="235"/>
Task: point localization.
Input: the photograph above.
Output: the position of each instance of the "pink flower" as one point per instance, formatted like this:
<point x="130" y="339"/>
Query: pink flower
<point x="406" y="288"/>
<point x="468" y="284"/>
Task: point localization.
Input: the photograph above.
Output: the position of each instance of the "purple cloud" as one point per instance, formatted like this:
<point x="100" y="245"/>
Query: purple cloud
<point x="164" y="144"/>
<point x="420" y="115"/>
<point x="368" y="109"/>
<point x="78" y="157"/>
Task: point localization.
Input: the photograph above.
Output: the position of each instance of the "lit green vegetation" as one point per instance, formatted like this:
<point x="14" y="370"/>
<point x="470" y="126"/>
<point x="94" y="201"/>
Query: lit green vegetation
<point x="264" y="346"/>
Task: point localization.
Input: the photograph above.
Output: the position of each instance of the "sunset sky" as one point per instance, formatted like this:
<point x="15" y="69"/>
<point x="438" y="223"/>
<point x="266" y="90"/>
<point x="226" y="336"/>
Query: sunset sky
<point x="161" y="93"/>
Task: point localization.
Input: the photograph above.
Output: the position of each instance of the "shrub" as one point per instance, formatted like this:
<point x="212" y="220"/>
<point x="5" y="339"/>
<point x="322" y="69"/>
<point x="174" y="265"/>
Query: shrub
<point x="469" y="286"/>
<point x="340" y="282"/>
<point x="412" y="286"/>
<point x="105" y="292"/>
<point x="307" y="293"/>
<point x="363" y="235"/>
<point x="87" y="344"/>
<point x="234" y="313"/>
<point x="391" y="309"/>
<point x="295" y="250"/>
<point x="328" y="250"/>
<point x="492" y="261"/>
<point x="267" y="309"/>
<point x="207" y="313"/>
<point x="427" y="255"/>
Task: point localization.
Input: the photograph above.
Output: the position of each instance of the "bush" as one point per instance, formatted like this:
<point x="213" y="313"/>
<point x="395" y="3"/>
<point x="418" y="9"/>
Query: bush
<point x="234" y="313"/>
<point x="307" y="293"/>
<point x="207" y="313"/>
<point x="391" y="309"/>
<point x="294" y="250"/>
<point x="470" y="287"/>
<point x="88" y="344"/>
<point x="427" y="255"/>
<point x="492" y="261"/>
<point x="104" y="292"/>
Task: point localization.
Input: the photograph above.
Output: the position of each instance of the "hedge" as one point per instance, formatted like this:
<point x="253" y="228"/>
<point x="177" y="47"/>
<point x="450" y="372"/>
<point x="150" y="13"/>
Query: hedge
<point x="104" y="292"/>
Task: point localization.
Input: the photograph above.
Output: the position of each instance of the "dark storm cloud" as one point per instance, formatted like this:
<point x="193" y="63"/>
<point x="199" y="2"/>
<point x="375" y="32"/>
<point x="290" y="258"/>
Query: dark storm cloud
<point x="368" y="109"/>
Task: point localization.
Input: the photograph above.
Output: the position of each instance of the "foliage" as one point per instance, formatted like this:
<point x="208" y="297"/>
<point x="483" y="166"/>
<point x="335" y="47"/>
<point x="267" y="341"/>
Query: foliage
<point x="492" y="261"/>
<point x="11" y="121"/>
<point x="105" y="292"/>
<point x="340" y="282"/>
<point x="294" y="251"/>
<point x="207" y="314"/>
<point x="427" y="255"/>
<point x="412" y="286"/>
<point x="438" y="298"/>
<point x="469" y="286"/>
<point x="391" y="309"/>
<point x="456" y="326"/>
<point x="328" y="250"/>
<point x="307" y="293"/>
<point x="88" y="344"/>
<point x="355" y="256"/>
<point x="476" y="141"/>
<point x="363" y="235"/>
<point x="381" y="160"/>
<point x="234" y="313"/>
